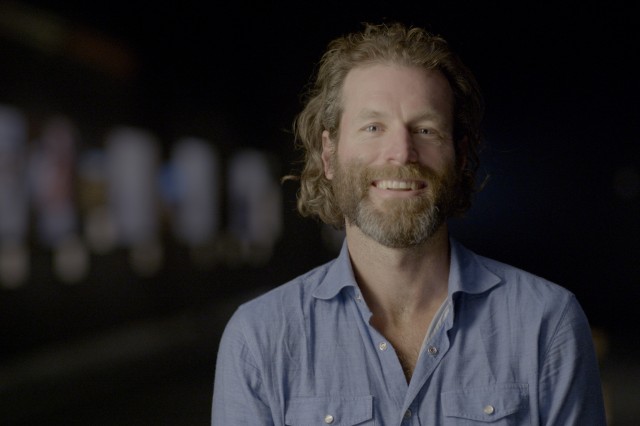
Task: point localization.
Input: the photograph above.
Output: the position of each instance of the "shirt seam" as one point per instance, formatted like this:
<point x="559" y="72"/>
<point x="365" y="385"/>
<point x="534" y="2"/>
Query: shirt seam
<point x="250" y="360"/>
<point x="557" y="328"/>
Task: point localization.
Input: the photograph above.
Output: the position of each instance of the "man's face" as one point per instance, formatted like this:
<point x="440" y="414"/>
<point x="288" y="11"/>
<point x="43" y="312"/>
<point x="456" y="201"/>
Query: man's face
<point x="393" y="166"/>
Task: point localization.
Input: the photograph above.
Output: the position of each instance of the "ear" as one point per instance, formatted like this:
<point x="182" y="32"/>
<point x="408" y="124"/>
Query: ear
<point x="328" y="148"/>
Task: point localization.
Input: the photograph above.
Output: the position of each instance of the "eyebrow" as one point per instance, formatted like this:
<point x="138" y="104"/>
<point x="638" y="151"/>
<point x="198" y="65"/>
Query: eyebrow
<point x="368" y="113"/>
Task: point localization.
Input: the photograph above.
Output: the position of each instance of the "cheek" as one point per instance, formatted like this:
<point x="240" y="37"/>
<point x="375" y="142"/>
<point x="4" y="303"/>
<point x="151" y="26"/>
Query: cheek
<point x="437" y="158"/>
<point x="358" y="151"/>
<point x="352" y="175"/>
<point x="350" y="148"/>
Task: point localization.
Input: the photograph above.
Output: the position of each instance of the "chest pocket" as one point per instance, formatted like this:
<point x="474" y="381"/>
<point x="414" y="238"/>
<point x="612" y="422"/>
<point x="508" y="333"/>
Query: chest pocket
<point x="504" y="405"/>
<point x="334" y="411"/>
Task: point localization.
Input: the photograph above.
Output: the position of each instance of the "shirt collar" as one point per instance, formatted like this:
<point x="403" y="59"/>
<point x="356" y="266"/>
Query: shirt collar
<point x="467" y="274"/>
<point x="339" y="275"/>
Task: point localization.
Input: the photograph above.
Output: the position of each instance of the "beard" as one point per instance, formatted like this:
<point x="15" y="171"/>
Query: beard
<point x="398" y="222"/>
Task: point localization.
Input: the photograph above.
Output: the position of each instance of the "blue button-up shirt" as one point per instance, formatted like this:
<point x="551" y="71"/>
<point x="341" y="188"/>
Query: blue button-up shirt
<point x="510" y="349"/>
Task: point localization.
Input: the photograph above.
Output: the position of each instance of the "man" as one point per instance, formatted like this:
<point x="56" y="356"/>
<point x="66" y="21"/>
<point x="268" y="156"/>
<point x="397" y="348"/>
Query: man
<point x="406" y="326"/>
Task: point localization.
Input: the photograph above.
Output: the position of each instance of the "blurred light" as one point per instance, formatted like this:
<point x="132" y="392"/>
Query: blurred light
<point x="51" y="34"/>
<point x="14" y="264"/>
<point x="195" y="191"/>
<point x="71" y="260"/>
<point x="14" y="205"/>
<point x="146" y="258"/>
<point x="52" y="170"/>
<point x="132" y="164"/>
<point x="255" y="206"/>
<point x="132" y="158"/>
<point x="99" y="228"/>
<point x="114" y="196"/>
<point x="13" y="182"/>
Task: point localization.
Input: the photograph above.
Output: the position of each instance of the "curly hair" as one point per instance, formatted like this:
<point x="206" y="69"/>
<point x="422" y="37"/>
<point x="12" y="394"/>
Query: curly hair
<point x="390" y="44"/>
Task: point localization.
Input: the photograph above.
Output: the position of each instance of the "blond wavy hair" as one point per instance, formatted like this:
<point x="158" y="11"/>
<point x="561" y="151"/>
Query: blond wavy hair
<point x="392" y="44"/>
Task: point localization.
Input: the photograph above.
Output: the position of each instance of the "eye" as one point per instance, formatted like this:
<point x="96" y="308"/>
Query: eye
<point x="372" y="128"/>
<point x="424" y="131"/>
<point x="429" y="135"/>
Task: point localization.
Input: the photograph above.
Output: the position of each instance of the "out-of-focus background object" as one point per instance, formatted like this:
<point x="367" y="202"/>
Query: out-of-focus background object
<point x="141" y="151"/>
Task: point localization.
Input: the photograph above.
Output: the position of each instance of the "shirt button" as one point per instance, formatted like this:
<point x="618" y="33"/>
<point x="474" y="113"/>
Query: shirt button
<point x="328" y="419"/>
<point x="407" y="414"/>
<point x="489" y="409"/>
<point x="382" y="346"/>
<point x="432" y="350"/>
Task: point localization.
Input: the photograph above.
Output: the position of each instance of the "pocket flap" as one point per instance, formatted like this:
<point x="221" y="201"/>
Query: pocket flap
<point x="335" y="411"/>
<point x="485" y="404"/>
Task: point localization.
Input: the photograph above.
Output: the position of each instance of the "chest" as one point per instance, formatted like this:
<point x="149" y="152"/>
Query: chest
<point x="355" y="365"/>
<point x="407" y="338"/>
<point x="344" y="366"/>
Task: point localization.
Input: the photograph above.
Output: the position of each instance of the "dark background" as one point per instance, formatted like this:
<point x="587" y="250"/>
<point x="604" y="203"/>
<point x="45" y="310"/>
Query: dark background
<point x="562" y="200"/>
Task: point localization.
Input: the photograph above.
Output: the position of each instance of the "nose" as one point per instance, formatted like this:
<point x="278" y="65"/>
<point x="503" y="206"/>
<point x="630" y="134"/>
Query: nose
<point x="400" y="147"/>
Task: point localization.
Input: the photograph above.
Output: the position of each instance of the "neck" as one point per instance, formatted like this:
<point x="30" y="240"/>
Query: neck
<point x="400" y="282"/>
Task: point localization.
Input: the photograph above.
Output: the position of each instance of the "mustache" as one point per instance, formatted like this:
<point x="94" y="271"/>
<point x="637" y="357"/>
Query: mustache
<point x="409" y="171"/>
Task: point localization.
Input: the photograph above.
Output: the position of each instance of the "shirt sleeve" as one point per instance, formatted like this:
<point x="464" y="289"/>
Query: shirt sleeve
<point x="239" y="395"/>
<point x="570" y="387"/>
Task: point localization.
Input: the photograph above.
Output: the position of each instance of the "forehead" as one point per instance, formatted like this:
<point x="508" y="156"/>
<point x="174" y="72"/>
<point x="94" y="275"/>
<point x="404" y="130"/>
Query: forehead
<point x="383" y="86"/>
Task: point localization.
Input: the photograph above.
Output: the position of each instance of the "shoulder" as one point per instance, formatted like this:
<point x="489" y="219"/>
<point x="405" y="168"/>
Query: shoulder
<point x="280" y="306"/>
<point x="513" y="279"/>
<point x="536" y="300"/>
<point x="523" y="302"/>
<point x="273" y="323"/>
<point x="506" y="286"/>
<point x="513" y="276"/>
<point x="291" y="294"/>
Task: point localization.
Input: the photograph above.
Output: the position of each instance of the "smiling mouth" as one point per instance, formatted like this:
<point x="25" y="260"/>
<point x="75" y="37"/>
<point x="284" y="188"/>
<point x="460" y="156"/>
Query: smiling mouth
<point x="400" y="185"/>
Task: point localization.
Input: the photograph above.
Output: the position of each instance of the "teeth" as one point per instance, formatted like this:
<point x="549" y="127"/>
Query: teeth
<point x="399" y="184"/>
